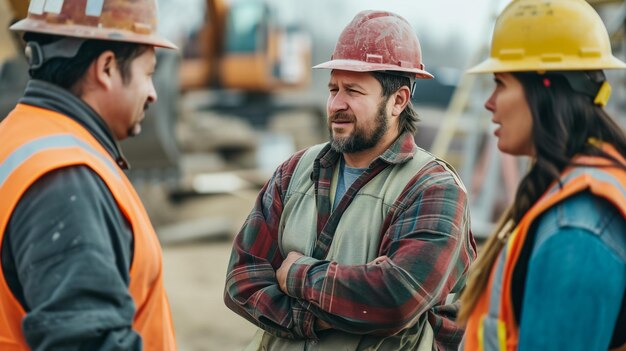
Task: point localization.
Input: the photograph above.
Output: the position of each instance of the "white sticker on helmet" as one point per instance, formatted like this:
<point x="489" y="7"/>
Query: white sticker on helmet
<point x="36" y="7"/>
<point x="94" y="8"/>
<point x="53" y="6"/>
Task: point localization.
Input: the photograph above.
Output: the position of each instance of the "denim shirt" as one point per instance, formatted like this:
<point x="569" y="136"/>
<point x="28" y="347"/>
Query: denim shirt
<point x="575" y="280"/>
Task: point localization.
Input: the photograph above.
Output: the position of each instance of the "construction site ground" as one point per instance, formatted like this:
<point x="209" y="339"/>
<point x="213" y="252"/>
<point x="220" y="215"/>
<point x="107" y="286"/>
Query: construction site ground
<point x="195" y="273"/>
<point x="194" y="278"/>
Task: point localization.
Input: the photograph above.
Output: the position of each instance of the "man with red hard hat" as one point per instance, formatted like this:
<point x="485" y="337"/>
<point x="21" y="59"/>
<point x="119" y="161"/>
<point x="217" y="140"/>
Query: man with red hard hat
<point x="358" y="243"/>
<point x="81" y="264"/>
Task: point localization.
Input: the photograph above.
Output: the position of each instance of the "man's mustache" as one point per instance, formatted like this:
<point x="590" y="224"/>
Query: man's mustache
<point x="341" y="117"/>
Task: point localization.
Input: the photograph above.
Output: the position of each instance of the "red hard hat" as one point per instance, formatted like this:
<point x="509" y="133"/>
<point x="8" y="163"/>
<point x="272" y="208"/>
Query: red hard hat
<point x="116" y="20"/>
<point x="378" y="41"/>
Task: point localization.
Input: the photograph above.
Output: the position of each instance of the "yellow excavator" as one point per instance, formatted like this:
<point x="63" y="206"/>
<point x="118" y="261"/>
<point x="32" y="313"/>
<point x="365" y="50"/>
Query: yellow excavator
<point x="242" y="46"/>
<point x="13" y="68"/>
<point x="9" y="11"/>
<point x="241" y="53"/>
<point x="245" y="58"/>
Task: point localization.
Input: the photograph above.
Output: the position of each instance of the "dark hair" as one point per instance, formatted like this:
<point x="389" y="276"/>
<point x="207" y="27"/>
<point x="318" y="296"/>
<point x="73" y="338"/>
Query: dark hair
<point x="67" y="72"/>
<point x="390" y="84"/>
<point x="563" y="122"/>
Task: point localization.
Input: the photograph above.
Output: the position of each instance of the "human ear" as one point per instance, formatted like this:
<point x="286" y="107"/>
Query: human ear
<point x="104" y="69"/>
<point x="400" y="99"/>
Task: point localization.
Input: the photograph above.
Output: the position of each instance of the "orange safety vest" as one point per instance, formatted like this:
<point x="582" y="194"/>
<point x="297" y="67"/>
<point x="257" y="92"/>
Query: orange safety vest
<point x="492" y="325"/>
<point x="36" y="141"/>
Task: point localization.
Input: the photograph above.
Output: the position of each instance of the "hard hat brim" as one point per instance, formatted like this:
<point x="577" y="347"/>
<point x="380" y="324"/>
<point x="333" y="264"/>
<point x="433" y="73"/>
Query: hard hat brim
<point x="492" y="65"/>
<point x="87" y="32"/>
<point x="360" y="66"/>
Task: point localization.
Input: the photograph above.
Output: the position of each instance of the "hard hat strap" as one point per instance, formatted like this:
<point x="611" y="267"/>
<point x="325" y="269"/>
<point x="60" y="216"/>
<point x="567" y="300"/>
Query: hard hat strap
<point x="603" y="95"/>
<point x="37" y="54"/>
<point x="590" y="83"/>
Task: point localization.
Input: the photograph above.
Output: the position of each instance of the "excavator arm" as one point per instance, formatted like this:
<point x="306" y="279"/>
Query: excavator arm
<point x="19" y="8"/>
<point x="13" y="68"/>
<point x="201" y="70"/>
<point x="10" y="11"/>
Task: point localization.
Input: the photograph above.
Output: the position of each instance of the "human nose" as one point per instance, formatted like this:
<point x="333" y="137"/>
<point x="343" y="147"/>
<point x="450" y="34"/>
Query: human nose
<point x="490" y="104"/>
<point x="336" y="103"/>
<point x="152" y="94"/>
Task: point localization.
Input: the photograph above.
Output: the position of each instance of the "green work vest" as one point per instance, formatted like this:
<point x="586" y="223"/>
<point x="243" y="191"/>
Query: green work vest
<point x="356" y="241"/>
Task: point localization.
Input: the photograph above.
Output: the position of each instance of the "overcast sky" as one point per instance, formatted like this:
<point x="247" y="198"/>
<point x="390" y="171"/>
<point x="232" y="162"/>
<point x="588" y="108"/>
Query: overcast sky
<point x="437" y="17"/>
<point x="455" y="29"/>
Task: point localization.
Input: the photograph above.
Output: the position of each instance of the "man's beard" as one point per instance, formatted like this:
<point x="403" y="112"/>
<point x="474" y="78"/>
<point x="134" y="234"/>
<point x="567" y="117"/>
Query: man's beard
<point x="360" y="139"/>
<point x="135" y="129"/>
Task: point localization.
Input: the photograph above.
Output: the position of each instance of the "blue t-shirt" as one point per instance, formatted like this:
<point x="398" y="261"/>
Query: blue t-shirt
<point x="347" y="176"/>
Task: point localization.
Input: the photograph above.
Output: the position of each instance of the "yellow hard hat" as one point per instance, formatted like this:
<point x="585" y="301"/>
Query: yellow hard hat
<point x="549" y="35"/>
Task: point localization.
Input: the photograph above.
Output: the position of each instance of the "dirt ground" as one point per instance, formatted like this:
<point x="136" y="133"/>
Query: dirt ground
<point x="195" y="272"/>
<point x="194" y="279"/>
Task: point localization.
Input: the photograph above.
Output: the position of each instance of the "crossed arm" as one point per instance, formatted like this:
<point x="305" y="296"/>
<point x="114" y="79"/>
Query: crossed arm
<point x="423" y="257"/>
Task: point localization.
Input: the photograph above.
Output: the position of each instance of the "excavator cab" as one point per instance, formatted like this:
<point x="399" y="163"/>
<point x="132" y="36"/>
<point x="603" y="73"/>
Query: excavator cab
<point x="240" y="50"/>
<point x="259" y="55"/>
<point x="242" y="46"/>
<point x="243" y="56"/>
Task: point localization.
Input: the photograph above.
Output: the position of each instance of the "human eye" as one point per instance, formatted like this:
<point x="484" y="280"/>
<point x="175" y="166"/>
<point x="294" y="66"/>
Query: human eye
<point x="498" y="82"/>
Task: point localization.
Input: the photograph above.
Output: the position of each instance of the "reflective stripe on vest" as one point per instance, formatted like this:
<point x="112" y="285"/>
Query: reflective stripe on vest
<point x="494" y="322"/>
<point x="594" y="173"/>
<point x="17" y="157"/>
<point x="492" y="329"/>
<point x="36" y="141"/>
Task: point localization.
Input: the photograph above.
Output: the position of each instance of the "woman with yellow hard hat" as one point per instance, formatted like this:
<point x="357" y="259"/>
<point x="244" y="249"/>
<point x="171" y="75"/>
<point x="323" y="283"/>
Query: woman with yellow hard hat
<point x="553" y="275"/>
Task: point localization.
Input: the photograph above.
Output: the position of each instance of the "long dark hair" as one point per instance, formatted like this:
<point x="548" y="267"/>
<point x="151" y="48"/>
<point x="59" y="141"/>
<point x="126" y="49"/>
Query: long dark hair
<point x="563" y="120"/>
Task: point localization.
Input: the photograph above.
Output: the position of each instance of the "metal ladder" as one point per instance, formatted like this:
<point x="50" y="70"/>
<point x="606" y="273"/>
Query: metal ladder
<point x="465" y="140"/>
